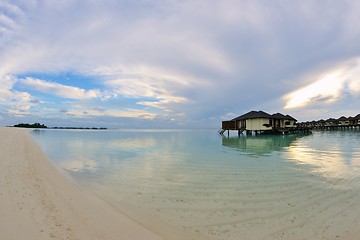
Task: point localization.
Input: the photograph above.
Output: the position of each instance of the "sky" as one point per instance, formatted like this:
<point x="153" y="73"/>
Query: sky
<point x="176" y="63"/>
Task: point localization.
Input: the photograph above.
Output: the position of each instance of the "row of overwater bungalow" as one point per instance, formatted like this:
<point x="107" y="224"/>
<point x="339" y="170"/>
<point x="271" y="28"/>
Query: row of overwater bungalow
<point x="332" y="123"/>
<point x="259" y="122"/>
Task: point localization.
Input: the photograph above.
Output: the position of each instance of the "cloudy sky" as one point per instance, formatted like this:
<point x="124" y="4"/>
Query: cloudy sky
<point x="176" y="63"/>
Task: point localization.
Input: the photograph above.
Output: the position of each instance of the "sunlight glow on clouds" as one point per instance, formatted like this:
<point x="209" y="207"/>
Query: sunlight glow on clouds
<point x="328" y="87"/>
<point x="325" y="90"/>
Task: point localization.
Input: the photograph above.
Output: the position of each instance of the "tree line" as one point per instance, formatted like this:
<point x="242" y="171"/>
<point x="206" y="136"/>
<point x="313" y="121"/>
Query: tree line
<point x="27" y="125"/>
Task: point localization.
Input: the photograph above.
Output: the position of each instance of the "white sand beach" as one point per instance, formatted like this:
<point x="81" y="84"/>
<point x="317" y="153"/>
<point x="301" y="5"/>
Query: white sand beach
<point x="37" y="202"/>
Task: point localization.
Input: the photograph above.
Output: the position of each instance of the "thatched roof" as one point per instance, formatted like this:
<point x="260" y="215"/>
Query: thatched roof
<point x="251" y="115"/>
<point x="279" y="116"/>
<point x="343" y="118"/>
<point x="331" y="120"/>
<point x="262" y="114"/>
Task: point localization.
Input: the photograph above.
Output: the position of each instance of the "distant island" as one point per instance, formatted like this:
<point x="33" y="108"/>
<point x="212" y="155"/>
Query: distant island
<point x="38" y="125"/>
<point x="27" y="125"/>
<point x="85" y="128"/>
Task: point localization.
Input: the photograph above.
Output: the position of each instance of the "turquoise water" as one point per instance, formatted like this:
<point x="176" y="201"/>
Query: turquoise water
<point x="255" y="187"/>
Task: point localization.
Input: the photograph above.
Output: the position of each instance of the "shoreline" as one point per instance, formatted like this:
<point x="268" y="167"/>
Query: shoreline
<point x="37" y="202"/>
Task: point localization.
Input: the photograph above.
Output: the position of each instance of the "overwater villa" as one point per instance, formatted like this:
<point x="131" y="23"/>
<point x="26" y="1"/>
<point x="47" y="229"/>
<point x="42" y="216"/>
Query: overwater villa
<point x="259" y="122"/>
<point x="332" y="123"/>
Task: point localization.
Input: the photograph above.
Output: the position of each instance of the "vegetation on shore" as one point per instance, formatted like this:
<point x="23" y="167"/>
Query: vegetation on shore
<point x="27" y="125"/>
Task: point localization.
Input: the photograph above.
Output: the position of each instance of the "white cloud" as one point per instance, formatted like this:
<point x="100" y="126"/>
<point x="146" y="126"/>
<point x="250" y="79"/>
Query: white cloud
<point x="328" y="87"/>
<point x="156" y="104"/>
<point x="6" y="22"/>
<point x="10" y="8"/>
<point x="58" y="89"/>
<point x="14" y="102"/>
<point x="127" y="113"/>
<point x="9" y="15"/>
<point x="148" y="82"/>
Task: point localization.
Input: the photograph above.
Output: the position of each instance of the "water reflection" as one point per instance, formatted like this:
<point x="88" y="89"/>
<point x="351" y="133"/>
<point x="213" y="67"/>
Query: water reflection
<point x="89" y="152"/>
<point x="334" y="157"/>
<point x="187" y="180"/>
<point x="37" y="131"/>
<point x="260" y="145"/>
<point x="79" y="165"/>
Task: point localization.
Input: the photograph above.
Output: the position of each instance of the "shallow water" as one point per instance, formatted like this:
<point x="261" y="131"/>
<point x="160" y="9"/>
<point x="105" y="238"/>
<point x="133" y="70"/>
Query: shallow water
<point x="255" y="187"/>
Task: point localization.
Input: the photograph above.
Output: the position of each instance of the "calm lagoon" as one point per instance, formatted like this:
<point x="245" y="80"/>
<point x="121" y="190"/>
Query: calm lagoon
<point x="219" y="187"/>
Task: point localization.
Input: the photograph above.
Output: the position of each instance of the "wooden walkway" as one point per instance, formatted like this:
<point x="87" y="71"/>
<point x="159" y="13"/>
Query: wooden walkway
<point x="274" y="131"/>
<point x="335" y="127"/>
